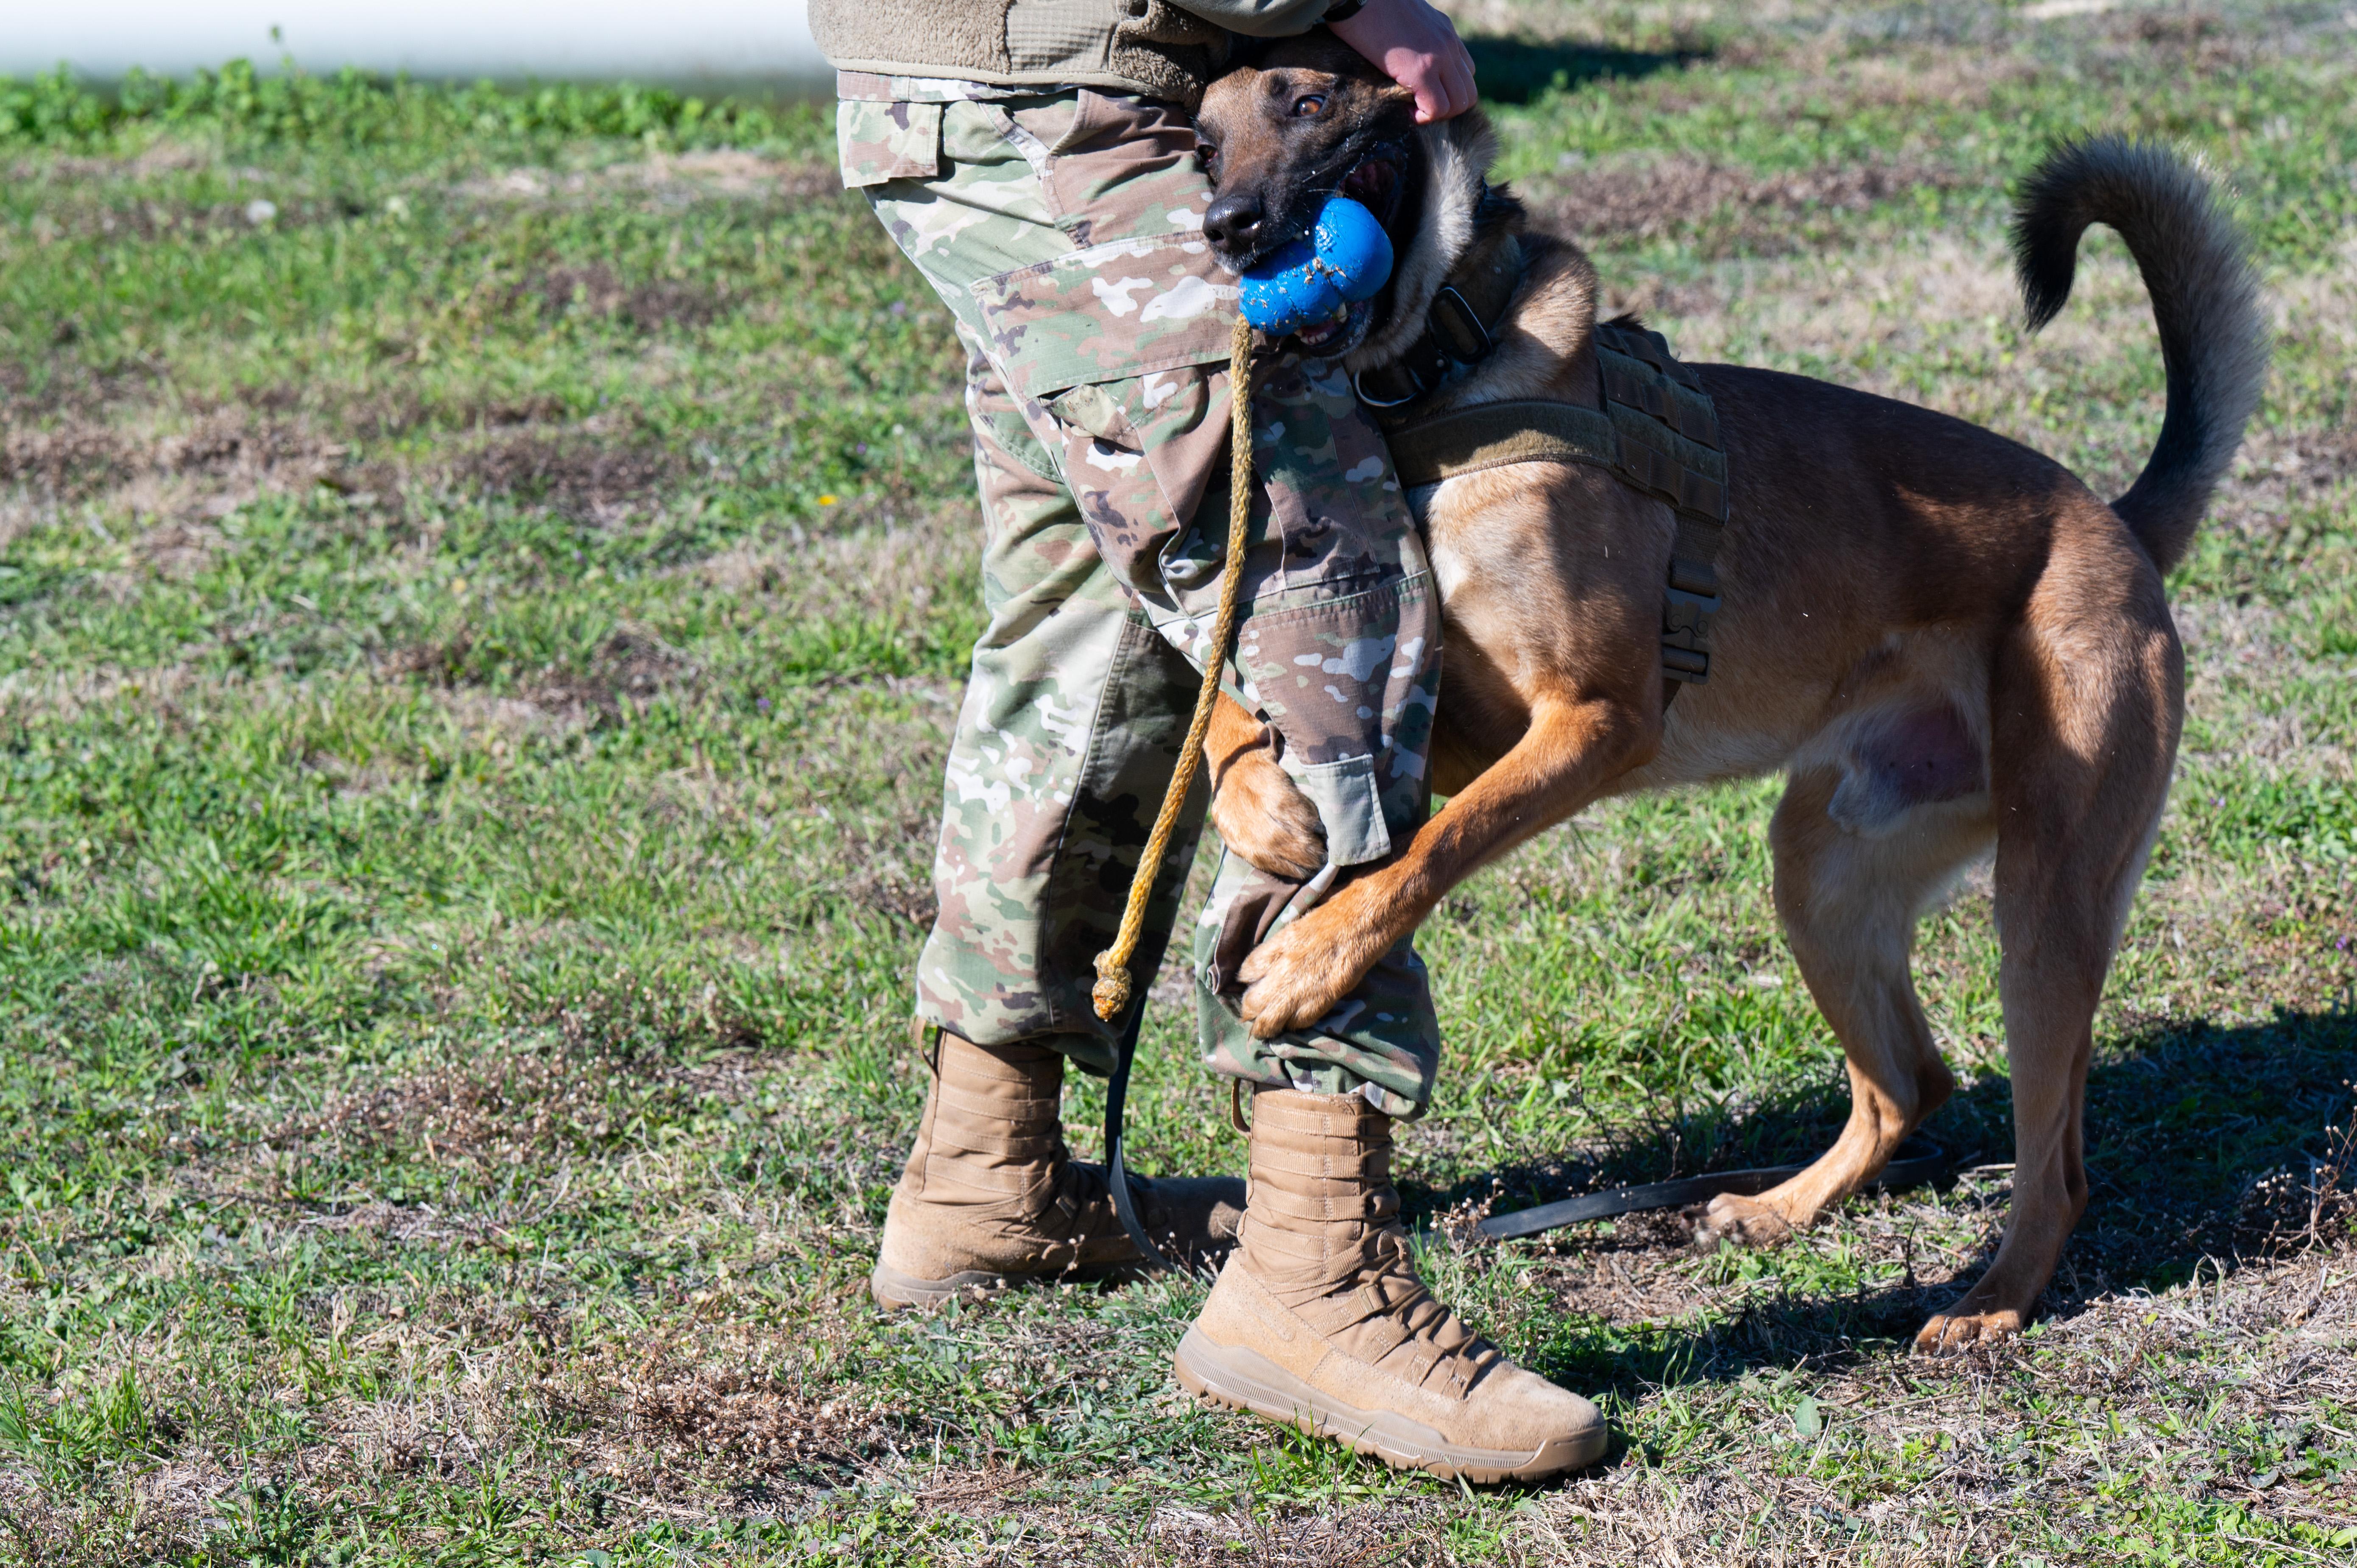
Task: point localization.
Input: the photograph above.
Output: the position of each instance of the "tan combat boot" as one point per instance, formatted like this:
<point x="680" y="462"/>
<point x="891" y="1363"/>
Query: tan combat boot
<point x="991" y="1199"/>
<point x="1319" y="1320"/>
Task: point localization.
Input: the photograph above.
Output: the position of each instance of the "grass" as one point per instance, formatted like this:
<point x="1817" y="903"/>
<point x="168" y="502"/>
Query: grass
<point x="483" y="582"/>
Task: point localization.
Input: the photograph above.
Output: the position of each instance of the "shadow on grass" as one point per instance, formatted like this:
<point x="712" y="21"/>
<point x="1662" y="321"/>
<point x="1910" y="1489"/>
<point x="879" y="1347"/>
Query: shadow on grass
<point x="2201" y="1142"/>
<point x="1517" y="70"/>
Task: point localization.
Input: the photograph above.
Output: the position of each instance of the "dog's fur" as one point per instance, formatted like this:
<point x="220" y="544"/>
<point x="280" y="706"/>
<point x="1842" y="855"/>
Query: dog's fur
<point x="1944" y="640"/>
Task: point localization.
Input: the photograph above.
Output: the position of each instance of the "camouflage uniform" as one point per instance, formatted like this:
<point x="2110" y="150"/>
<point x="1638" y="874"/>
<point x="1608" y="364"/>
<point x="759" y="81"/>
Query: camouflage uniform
<point x="1063" y="230"/>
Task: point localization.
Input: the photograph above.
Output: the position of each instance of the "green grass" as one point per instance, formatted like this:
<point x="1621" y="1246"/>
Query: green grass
<point x="483" y="587"/>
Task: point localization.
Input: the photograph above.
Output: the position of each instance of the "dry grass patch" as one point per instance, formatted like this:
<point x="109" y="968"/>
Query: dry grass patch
<point x="592" y="471"/>
<point x="1725" y="210"/>
<point x="669" y="179"/>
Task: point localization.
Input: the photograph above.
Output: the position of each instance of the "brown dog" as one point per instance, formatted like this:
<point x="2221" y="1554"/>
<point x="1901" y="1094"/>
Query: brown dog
<point x="1944" y="640"/>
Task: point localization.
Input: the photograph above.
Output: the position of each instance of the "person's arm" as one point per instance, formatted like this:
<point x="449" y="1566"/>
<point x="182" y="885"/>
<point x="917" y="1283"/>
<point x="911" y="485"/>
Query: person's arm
<point x="1409" y="41"/>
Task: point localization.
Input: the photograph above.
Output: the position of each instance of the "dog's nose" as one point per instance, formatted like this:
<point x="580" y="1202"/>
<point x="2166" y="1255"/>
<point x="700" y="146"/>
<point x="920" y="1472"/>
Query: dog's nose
<point x="1234" y="222"/>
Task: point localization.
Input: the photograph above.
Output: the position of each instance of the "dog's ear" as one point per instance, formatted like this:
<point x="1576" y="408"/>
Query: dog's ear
<point x="1386" y="97"/>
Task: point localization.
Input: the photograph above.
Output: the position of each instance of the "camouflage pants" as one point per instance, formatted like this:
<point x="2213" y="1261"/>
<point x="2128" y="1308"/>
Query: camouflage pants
<point x="1063" y="230"/>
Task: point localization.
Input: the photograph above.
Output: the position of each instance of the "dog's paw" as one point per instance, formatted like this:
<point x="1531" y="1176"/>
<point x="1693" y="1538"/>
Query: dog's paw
<point x="1300" y="976"/>
<point x="1954" y="1333"/>
<point x="1264" y="816"/>
<point x="1746" y="1221"/>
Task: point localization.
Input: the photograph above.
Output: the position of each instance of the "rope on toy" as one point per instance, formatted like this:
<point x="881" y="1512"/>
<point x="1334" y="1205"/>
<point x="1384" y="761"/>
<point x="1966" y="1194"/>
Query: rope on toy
<point x="1112" y="989"/>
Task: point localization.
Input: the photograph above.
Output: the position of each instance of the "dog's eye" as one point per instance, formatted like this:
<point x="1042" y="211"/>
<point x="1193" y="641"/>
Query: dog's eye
<point x="1309" y="105"/>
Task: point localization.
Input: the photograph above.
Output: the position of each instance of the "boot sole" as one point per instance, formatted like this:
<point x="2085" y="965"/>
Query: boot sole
<point x="1246" y="1379"/>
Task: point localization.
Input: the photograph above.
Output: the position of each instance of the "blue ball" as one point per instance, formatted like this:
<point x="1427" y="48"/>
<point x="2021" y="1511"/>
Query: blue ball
<point x="1288" y="291"/>
<point x="1347" y="257"/>
<point x="1355" y="250"/>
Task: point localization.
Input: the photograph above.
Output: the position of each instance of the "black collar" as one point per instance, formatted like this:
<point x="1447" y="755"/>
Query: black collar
<point x="1460" y="328"/>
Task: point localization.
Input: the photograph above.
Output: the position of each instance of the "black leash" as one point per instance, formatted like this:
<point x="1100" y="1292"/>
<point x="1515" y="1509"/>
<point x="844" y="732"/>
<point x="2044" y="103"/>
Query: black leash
<point x="1116" y="1173"/>
<point x="1917" y="1161"/>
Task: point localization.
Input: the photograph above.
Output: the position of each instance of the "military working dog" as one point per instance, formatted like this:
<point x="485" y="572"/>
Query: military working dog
<point x="1948" y="643"/>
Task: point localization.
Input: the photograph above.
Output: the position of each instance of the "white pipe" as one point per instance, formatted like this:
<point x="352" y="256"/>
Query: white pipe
<point x="682" y="41"/>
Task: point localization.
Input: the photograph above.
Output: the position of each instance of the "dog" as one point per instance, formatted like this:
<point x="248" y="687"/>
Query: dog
<point x="1948" y="643"/>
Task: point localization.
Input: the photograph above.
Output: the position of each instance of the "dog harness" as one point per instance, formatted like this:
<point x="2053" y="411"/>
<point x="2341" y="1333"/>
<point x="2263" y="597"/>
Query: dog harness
<point x="1657" y="432"/>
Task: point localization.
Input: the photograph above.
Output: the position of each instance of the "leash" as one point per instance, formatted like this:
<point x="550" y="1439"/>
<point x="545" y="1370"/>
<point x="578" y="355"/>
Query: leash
<point x="1114" y="990"/>
<point x="1917" y="1161"/>
<point x="1124" y="1206"/>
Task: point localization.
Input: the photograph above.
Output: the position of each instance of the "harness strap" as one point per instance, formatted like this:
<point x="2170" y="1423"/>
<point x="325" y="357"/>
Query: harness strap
<point x="1656" y="431"/>
<point x="1494" y="434"/>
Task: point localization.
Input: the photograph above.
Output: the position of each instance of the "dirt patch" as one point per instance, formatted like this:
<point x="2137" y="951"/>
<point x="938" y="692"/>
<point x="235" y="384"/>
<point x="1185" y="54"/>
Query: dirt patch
<point x="508" y="414"/>
<point x="86" y="216"/>
<point x="1727" y="208"/>
<point x="163" y="156"/>
<point x="735" y="1419"/>
<point x="220" y="461"/>
<point x="520" y="1104"/>
<point x="177" y="550"/>
<point x="2194" y="38"/>
<point x="647" y="306"/>
<point x="401" y="407"/>
<point x="74" y="460"/>
<point x="441" y="662"/>
<point x="728" y="171"/>
<point x="530" y="1102"/>
<point x="898" y="891"/>
<point x="66" y="386"/>
<point x="630" y="666"/>
<point x="672" y="180"/>
<point x="581" y="473"/>
<point x="230" y="444"/>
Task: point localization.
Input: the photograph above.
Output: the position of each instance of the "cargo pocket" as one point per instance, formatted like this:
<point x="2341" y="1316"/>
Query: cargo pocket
<point x="1115" y="352"/>
<point x="1350" y="807"/>
<point x="879" y="142"/>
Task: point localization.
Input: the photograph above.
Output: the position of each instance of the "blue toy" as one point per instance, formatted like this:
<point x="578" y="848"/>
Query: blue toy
<point x="1346" y="258"/>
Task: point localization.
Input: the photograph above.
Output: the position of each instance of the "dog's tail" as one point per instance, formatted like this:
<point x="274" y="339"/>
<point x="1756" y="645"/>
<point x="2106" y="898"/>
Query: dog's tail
<point x="2204" y="300"/>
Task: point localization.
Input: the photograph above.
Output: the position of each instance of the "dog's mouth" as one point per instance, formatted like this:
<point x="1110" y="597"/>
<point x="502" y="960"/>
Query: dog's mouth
<point x="1325" y="332"/>
<point x="1374" y="184"/>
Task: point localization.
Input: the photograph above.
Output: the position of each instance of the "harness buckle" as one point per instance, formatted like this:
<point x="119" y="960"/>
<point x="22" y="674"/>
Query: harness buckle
<point x="1686" y="617"/>
<point x="1685" y="664"/>
<point x="1685" y="634"/>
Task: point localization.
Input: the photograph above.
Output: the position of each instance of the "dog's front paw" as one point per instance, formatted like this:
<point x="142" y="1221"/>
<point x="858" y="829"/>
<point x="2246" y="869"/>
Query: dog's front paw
<point x="1264" y="816"/>
<point x="1746" y="1221"/>
<point x="1954" y="1333"/>
<point x="1298" y="975"/>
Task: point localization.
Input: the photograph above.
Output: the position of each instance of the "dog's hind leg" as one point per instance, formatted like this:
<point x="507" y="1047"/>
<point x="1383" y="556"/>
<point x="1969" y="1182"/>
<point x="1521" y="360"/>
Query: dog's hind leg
<point x="2086" y="702"/>
<point x="1850" y="902"/>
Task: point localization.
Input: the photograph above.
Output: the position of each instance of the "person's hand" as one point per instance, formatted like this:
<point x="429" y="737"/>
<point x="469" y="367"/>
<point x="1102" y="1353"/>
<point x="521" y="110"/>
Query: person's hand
<point x="1415" y="47"/>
